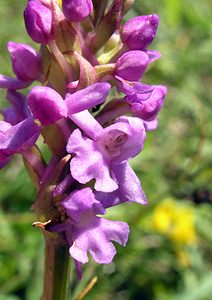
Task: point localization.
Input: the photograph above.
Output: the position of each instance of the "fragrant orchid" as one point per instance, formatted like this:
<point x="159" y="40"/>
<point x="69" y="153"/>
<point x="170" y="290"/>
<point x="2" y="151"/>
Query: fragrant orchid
<point x="86" y="57"/>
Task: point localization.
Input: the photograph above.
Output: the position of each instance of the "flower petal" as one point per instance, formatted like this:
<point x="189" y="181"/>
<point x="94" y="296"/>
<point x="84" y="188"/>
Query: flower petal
<point x="96" y="239"/>
<point x="19" y="137"/>
<point x="88" y="163"/>
<point x="7" y="82"/>
<point x="129" y="190"/>
<point x="132" y="65"/>
<point x="46" y="105"/>
<point x="85" y="121"/>
<point x="134" y="136"/>
<point x="81" y="201"/>
<point x="87" y="98"/>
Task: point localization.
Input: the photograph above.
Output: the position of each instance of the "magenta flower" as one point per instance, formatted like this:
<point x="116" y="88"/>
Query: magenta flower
<point x="48" y="106"/>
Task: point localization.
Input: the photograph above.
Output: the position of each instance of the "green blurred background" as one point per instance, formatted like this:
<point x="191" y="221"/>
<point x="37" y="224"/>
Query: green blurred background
<point x="169" y="254"/>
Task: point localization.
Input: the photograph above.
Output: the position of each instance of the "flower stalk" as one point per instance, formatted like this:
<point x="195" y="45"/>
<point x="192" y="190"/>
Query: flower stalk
<point x="57" y="268"/>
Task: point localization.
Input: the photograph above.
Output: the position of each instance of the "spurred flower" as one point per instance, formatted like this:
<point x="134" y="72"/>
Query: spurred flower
<point x="48" y="106"/>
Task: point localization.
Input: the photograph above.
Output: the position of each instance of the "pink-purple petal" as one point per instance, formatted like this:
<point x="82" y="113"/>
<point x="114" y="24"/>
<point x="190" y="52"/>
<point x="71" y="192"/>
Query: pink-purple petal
<point x="7" y="82"/>
<point x="87" y="98"/>
<point x="129" y="190"/>
<point x="85" y="121"/>
<point x="19" y="137"/>
<point x="79" y="202"/>
<point x="88" y="163"/>
<point x="132" y="65"/>
<point x="46" y="105"/>
<point x="124" y="139"/>
<point x="97" y="240"/>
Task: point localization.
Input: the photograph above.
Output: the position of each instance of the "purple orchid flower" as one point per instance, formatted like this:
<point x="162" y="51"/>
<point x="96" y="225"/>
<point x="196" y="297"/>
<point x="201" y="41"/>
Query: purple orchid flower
<point x="91" y="138"/>
<point x="87" y="233"/>
<point x="94" y="159"/>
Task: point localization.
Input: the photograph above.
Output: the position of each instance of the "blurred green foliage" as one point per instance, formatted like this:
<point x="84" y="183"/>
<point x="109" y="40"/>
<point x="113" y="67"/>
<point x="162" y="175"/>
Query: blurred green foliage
<point x="176" y="163"/>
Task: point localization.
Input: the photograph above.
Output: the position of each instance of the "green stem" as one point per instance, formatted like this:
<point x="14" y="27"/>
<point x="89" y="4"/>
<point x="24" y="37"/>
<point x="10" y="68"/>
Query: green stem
<point x="57" y="269"/>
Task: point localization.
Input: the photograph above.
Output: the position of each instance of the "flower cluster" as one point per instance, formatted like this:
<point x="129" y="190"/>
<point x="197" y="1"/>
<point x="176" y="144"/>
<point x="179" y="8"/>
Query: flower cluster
<point x="90" y="108"/>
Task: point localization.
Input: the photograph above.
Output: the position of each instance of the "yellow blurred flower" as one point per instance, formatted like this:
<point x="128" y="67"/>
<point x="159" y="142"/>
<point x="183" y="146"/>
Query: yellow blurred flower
<point x="175" y="221"/>
<point x="59" y="3"/>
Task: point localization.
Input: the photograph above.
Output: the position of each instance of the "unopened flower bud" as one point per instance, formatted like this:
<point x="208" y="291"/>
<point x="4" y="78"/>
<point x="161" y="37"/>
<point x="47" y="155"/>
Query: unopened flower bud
<point x="25" y="61"/>
<point x="132" y="65"/>
<point x="46" y="105"/>
<point x="139" y="32"/>
<point x="77" y="10"/>
<point x="38" y="21"/>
